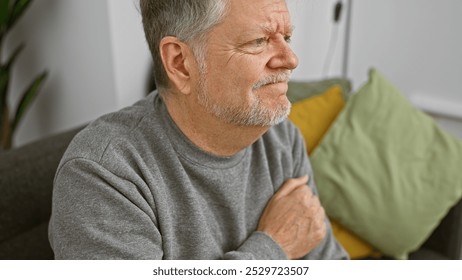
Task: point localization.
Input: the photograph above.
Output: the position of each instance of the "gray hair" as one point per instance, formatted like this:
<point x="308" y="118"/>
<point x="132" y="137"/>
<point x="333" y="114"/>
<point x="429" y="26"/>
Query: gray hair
<point x="188" y="20"/>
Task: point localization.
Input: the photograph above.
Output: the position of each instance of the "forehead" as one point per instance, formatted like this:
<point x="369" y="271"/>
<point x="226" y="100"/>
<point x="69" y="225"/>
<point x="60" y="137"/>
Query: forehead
<point x="268" y="15"/>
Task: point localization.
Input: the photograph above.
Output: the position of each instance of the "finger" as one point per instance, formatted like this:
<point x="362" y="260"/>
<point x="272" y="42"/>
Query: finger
<point x="292" y="184"/>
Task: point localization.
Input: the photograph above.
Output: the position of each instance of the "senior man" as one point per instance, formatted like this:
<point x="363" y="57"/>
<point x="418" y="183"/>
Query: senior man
<point x="208" y="167"/>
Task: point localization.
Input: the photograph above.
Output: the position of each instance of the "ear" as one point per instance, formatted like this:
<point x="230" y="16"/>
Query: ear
<point x="177" y="59"/>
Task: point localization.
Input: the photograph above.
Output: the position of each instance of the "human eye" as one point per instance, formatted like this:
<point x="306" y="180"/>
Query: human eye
<point x="254" y="46"/>
<point x="288" y="38"/>
<point x="260" y="42"/>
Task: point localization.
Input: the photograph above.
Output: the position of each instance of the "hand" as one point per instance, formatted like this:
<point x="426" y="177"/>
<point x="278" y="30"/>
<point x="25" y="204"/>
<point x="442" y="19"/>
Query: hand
<point x="294" y="218"/>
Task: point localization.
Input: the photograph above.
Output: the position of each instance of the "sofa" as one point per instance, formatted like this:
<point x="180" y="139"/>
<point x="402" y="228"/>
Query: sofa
<point x="26" y="185"/>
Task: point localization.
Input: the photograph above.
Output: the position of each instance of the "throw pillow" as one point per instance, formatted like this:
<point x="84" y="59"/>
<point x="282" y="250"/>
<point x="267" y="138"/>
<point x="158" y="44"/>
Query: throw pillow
<point x="313" y="116"/>
<point x="299" y="90"/>
<point x="356" y="247"/>
<point x="386" y="171"/>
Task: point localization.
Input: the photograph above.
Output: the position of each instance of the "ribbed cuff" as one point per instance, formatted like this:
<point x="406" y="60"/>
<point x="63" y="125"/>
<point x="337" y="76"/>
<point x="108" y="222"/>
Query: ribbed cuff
<point x="263" y="247"/>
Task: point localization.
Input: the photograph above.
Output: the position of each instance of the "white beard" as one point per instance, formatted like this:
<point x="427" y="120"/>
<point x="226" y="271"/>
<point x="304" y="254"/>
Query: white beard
<point x="256" y="114"/>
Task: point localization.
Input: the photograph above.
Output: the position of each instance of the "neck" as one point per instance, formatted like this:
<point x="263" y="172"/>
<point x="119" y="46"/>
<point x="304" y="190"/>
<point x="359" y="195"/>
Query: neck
<point x="206" y="131"/>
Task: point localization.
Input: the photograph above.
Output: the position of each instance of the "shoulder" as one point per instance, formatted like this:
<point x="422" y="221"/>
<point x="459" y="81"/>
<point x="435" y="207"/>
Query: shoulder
<point x="127" y="126"/>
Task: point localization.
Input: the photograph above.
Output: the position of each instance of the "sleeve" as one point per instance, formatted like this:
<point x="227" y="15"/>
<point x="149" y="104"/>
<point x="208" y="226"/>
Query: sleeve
<point x="259" y="246"/>
<point x="82" y="227"/>
<point x="329" y="248"/>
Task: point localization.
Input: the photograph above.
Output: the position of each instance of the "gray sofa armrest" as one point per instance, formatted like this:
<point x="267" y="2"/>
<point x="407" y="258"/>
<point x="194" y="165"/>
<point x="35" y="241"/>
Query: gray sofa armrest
<point x="446" y="239"/>
<point x="26" y="184"/>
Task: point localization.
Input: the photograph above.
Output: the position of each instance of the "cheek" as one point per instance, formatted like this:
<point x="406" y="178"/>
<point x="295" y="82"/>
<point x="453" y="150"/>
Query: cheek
<point x="236" y="75"/>
<point x="246" y="76"/>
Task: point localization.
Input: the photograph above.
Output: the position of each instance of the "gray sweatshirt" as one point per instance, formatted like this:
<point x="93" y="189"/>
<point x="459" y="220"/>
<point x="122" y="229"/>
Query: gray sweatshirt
<point x="133" y="186"/>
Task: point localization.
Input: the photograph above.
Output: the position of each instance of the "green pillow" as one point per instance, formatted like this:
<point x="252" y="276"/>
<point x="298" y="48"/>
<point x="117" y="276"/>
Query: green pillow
<point x="386" y="171"/>
<point x="299" y="90"/>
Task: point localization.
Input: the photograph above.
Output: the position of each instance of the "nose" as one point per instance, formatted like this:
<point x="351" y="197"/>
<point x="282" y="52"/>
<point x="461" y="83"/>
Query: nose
<point x="283" y="57"/>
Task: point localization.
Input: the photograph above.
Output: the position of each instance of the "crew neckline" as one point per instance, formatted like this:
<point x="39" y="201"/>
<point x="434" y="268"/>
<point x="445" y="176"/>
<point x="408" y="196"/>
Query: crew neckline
<point x="187" y="149"/>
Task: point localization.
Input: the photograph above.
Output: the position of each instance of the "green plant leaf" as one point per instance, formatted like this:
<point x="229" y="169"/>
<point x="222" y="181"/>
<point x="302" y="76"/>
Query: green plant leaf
<point x="4" y="9"/>
<point x="5" y="77"/>
<point x="19" y="7"/>
<point x="13" y="56"/>
<point x="4" y="112"/>
<point x="26" y="99"/>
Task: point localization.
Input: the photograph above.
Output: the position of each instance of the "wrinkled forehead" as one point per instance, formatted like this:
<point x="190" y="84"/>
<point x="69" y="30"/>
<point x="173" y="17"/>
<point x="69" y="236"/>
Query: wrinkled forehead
<point x="269" y="15"/>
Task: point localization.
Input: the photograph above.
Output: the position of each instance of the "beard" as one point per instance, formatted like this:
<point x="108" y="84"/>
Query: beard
<point x="256" y="113"/>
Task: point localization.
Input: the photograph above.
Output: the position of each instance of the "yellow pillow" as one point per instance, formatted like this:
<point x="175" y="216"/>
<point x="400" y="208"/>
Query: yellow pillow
<point x="313" y="116"/>
<point x="354" y="245"/>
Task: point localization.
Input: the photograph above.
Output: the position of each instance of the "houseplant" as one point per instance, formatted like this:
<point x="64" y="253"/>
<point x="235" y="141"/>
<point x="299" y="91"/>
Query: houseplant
<point x="10" y="12"/>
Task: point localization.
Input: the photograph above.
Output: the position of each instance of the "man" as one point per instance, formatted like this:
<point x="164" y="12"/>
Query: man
<point x="209" y="167"/>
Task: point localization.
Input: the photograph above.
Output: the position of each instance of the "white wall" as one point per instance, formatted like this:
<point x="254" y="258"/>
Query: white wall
<point x="130" y="53"/>
<point x="96" y="57"/>
<point x="313" y="22"/>
<point x="417" y="45"/>
<point x="70" y="39"/>
<point x="416" y="42"/>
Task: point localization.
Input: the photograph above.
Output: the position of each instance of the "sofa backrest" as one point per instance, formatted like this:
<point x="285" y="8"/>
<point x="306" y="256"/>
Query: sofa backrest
<point x="26" y="185"/>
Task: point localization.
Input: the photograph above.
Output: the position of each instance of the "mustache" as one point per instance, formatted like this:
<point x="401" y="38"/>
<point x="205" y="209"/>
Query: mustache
<point x="273" y="79"/>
